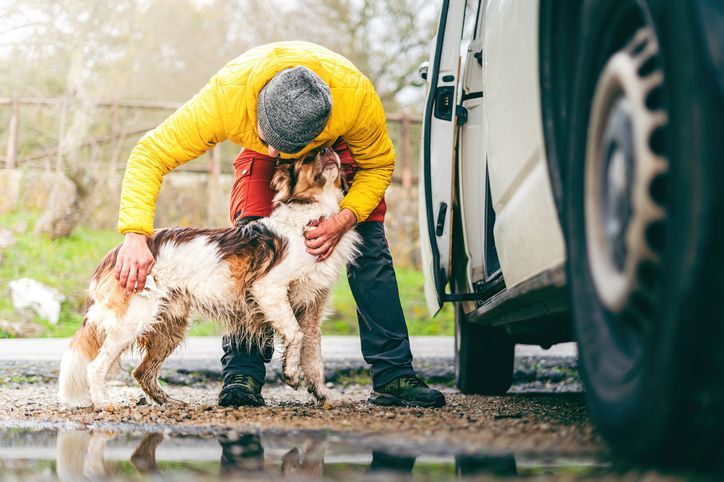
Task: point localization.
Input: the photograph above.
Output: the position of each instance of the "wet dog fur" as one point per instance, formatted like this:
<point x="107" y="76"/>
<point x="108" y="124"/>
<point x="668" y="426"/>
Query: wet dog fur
<point x="248" y="278"/>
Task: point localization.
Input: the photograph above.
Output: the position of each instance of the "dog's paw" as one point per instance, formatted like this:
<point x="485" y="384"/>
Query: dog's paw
<point x="294" y="383"/>
<point x="322" y="395"/>
<point x="292" y="379"/>
<point x="174" y="403"/>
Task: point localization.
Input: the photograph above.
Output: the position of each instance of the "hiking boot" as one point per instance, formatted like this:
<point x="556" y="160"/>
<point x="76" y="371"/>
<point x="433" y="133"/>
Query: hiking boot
<point x="407" y="391"/>
<point x="240" y="391"/>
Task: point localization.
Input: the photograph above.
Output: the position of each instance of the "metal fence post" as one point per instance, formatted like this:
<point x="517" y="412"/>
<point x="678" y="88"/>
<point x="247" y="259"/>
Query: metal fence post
<point x="13" y="133"/>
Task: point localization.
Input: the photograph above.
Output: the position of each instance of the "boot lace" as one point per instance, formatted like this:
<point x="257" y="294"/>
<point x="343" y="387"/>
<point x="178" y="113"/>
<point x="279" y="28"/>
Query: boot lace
<point x="412" y="381"/>
<point x="245" y="381"/>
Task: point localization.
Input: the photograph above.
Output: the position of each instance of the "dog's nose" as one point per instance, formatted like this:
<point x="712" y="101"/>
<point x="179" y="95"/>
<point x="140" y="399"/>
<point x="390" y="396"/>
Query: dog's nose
<point x="324" y="151"/>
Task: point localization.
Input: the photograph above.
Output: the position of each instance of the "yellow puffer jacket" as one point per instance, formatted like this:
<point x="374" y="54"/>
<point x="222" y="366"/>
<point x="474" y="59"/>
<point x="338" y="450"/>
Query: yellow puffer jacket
<point x="226" y="109"/>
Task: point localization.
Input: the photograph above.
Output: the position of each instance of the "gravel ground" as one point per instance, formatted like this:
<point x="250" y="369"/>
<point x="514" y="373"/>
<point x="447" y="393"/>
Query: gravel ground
<point x="544" y="416"/>
<point x="545" y="411"/>
<point x="521" y="423"/>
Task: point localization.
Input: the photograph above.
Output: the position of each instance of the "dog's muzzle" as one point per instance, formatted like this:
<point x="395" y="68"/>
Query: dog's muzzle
<point x="328" y="158"/>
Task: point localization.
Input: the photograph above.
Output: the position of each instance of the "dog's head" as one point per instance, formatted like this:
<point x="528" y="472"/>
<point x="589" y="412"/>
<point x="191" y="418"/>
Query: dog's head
<point x="304" y="180"/>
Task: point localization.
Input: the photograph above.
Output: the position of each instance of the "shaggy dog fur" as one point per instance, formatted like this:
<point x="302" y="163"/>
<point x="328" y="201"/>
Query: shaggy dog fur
<point x="248" y="278"/>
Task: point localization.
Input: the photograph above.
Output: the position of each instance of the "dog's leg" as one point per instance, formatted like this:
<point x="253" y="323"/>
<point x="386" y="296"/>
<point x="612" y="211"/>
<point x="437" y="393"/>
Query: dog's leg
<point x="160" y="340"/>
<point x="143" y="458"/>
<point x="156" y="350"/>
<point x="310" y="319"/>
<point x="120" y="334"/>
<point x="94" y="466"/>
<point x="273" y="300"/>
<point x="115" y="344"/>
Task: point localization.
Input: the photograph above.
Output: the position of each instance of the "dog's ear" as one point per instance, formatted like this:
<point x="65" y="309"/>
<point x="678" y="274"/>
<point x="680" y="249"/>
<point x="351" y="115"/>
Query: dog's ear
<point x="282" y="182"/>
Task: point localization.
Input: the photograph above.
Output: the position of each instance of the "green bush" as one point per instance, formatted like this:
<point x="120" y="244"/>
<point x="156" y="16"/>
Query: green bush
<point x="67" y="264"/>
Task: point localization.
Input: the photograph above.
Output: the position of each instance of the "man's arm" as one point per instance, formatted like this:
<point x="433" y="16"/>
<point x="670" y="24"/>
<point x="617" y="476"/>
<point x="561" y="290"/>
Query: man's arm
<point x="185" y="135"/>
<point x="189" y="132"/>
<point x="372" y="150"/>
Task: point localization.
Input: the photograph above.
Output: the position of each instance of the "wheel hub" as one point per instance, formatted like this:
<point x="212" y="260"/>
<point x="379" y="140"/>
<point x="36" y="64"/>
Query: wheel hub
<point x="621" y="165"/>
<point x="617" y="181"/>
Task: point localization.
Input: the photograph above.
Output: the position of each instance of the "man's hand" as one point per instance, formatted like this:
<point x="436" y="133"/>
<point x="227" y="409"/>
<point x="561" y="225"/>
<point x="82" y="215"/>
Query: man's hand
<point x="134" y="262"/>
<point x="324" y="236"/>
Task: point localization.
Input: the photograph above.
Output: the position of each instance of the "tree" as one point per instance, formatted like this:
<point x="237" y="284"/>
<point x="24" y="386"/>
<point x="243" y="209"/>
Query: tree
<point x="386" y="39"/>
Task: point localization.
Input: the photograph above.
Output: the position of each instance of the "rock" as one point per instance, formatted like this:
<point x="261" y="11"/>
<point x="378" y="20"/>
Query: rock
<point x="29" y="294"/>
<point x="21" y="329"/>
<point x="63" y="211"/>
<point x="6" y="238"/>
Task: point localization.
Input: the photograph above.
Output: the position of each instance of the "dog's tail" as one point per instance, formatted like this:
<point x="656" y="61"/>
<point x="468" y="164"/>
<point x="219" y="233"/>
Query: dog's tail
<point x="72" y="449"/>
<point x="73" y="380"/>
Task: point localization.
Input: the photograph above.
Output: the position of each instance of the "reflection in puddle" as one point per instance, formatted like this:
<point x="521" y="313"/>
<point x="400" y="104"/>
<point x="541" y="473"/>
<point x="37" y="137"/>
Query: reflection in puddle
<point x="70" y="455"/>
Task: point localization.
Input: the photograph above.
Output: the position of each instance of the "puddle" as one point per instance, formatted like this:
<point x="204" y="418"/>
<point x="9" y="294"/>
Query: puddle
<point x="69" y="454"/>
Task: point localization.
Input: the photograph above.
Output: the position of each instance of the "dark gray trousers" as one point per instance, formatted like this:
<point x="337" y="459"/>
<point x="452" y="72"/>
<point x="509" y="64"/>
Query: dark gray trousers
<point x="383" y="332"/>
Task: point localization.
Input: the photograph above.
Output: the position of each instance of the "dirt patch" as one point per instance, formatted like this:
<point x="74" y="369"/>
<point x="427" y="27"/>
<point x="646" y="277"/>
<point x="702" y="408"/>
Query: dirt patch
<point x="530" y="423"/>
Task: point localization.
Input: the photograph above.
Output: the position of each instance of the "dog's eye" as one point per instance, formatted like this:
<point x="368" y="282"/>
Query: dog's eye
<point x="308" y="159"/>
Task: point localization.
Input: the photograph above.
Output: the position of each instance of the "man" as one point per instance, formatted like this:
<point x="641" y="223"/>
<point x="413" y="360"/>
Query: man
<point x="285" y="99"/>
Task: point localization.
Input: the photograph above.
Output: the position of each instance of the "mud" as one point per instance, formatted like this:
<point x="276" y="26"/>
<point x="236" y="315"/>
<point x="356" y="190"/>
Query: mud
<point x="541" y="431"/>
<point x="530" y="423"/>
<point x="532" y="436"/>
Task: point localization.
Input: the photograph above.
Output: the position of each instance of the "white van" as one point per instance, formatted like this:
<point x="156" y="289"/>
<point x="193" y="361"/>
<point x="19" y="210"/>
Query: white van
<point x="572" y="188"/>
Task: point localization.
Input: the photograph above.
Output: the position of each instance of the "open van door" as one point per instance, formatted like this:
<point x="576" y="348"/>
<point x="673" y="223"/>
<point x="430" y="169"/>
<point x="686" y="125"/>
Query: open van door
<point x="437" y="163"/>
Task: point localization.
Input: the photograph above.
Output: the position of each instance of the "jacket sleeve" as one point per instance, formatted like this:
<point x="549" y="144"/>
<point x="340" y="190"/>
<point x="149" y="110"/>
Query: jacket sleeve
<point x="185" y="135"/>
<point x="372" y="150"/>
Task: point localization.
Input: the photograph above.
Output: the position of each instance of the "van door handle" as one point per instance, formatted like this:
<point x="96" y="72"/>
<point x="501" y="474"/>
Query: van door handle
<point x="441" y="213"/>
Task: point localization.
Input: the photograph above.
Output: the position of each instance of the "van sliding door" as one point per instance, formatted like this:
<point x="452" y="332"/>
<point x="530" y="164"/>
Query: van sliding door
<point x="438" y="152"/>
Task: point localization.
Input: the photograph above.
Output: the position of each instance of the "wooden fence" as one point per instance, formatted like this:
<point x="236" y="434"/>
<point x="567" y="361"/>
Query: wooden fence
<point x="402" y="122"/>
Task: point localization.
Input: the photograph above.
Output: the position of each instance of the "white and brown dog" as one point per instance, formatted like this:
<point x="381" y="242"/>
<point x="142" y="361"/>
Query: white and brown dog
<point x="248" y="278"/>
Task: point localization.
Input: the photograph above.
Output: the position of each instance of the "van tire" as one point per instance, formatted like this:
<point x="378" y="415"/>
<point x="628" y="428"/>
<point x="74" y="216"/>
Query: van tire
<point x="655" y="387"/>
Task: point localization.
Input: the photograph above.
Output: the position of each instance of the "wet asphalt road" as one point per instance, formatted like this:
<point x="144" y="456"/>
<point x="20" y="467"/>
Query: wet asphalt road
<point x="197" y="361"/>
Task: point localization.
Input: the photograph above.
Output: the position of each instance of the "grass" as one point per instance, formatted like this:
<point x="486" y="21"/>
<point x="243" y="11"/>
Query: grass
<point x="410" y="282"/>
<point x="66" y="264"/>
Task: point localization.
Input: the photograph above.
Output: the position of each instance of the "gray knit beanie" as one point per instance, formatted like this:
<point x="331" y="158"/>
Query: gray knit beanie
<point x="293" y="109"/>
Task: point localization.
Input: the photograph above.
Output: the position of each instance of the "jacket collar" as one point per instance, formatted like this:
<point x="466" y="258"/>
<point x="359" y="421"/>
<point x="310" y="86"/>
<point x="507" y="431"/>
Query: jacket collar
<point x="274" y="61"/>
